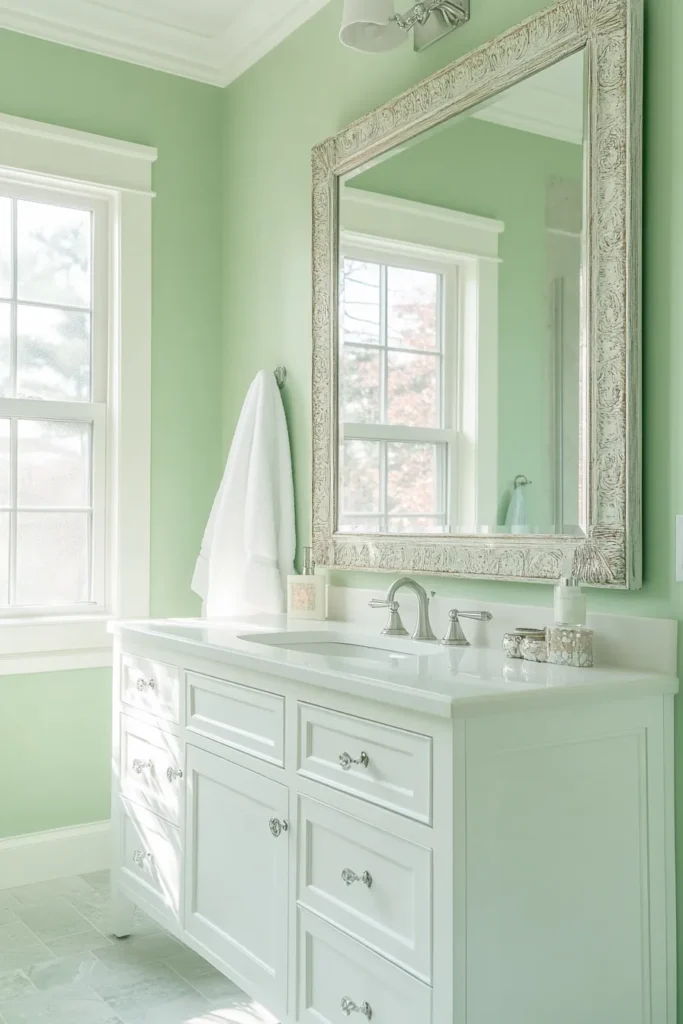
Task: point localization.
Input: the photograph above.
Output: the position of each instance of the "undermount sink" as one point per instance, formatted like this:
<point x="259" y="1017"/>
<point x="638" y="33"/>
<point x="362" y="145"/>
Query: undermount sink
<point x="345" y="645"/>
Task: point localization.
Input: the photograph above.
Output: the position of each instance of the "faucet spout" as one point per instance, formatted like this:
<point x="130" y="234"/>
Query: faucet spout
<point x="423" y="628"/>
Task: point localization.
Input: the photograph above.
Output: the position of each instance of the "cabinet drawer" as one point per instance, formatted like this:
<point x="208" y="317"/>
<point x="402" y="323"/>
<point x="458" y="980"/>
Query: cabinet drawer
<point x="340" y="979"/>
<point x="240" y="716"/>
<point x="150" y="771"/>
<point x="150" y="858"/>
<point x="369" y="882"/>
<point x="388" y="766"/>
<point x="150" y="686"/>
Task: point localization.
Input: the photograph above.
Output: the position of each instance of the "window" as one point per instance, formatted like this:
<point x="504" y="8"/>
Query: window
<point x="75" y="388"/>
<point x="397" y="359"/>
<point x="53" y="389"/>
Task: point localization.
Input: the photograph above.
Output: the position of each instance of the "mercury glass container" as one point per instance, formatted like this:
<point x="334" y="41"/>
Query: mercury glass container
<point x="570" y="645"/>
<point x="512" y="642"/>
<point x="535" y="648"/>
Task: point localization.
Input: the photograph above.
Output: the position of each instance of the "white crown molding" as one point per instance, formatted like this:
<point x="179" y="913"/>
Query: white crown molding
<point x="543" y="105"/>
<point x="215" y="60"/>
<point x="403" y="207"/>
<point x="247" y="43"/>
<point x="555" y="124"/>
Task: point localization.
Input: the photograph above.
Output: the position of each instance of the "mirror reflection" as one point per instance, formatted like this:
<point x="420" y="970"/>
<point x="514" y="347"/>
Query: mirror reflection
<point x="462" y="357"/>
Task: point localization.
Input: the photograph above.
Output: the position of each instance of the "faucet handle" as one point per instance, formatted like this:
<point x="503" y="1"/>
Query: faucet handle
<point x="394" y="626"/>
<point x="454" y="635"/>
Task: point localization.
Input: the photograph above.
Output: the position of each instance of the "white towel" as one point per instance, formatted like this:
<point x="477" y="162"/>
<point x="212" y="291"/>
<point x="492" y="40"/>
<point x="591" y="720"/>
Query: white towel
<point x="249" y="543"/>
<point x="517" y="516"/>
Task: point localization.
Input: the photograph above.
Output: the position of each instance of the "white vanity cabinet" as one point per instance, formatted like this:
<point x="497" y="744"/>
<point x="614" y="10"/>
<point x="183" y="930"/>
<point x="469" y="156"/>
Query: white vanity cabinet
<point x="396" y="857"/>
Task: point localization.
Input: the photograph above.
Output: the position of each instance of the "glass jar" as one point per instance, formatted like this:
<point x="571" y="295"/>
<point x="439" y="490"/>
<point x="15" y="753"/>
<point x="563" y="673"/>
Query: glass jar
<point x="570" y="645"/>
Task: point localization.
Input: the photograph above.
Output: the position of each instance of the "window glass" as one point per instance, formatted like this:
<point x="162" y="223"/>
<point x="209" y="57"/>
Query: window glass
<point x="53" y="255"/>
<point x="53" y="464"/>
<point x="412" y="308"/>
<point x="390" y="386"/>
<point x="53" y="353"/>
<point x="46" y="363"/>
<point x="53" y="556"/>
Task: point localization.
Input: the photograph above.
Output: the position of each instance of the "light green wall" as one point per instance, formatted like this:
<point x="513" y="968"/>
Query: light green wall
<point x="492" y="171"/>
<point x="309" y="88"/>
<point x="54" y="728"/>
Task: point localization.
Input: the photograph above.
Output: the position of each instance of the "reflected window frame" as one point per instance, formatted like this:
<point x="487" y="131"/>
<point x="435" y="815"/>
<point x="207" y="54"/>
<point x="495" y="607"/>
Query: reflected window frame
<point x="461" y="295"/>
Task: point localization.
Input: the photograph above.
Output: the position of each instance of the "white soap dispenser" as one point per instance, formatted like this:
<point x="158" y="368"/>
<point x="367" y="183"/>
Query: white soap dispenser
<point x="306" y="593"/>
<point x="570" y="601"/>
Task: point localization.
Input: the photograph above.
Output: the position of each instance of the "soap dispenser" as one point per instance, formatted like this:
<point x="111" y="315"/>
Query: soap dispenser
<point x="306" y="593"/>
<point x="570" y="601"/>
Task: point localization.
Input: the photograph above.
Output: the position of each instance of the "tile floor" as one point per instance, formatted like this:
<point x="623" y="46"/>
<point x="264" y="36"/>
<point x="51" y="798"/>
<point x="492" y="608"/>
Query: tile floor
<point x="59" y="964"/>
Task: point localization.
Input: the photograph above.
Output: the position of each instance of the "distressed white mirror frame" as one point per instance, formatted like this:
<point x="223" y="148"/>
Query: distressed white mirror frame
<point x="610" y="554"/>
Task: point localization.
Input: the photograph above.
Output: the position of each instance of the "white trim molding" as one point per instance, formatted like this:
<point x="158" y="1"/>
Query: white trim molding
<point x="59" y="853"/>
<point x="47" y="149"/>
<point x="119" y="175"/>
<point x="192" y="48"/>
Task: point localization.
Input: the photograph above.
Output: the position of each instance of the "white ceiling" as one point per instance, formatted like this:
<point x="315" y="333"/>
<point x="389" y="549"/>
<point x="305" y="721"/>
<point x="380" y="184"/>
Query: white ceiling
<point x="209" y="40"/>
<point x="549" y="103"/>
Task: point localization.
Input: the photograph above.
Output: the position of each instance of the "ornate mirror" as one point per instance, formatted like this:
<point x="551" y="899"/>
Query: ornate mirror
<point x="476" y="273"/>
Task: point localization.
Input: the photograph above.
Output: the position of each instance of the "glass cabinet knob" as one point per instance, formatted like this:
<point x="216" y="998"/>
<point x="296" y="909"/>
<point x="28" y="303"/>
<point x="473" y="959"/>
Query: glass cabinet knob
<point x="346" y="761"/>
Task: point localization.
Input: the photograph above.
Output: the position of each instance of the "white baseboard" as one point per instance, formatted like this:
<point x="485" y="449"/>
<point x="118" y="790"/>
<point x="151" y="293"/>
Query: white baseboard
<point x="42" y="856"/>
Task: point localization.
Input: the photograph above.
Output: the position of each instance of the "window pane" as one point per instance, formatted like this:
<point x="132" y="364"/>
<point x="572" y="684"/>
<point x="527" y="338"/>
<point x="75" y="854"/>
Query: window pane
<point x="360" y="385"/>
<point x="53" y="354"/>
<point x="360" y="476"/>
<point x="360" y="302"/>
<point x="53" y="464"/>
<point x="5" y="247"/>
<point x="5" y="348"/>
<point x="4" y="465"/>
<point x="53" y="556"/>
<point x="364" y="524"/>
<point x="4" y="559"/>
<point x="415" y="483"/>
<point x="418" y="524"/>
<point x="412" y="307"/>
<point x="413" y="390"/>
<point x="53" y="254"/>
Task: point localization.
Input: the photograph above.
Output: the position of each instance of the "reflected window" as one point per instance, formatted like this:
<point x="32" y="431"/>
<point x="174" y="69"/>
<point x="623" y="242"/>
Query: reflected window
<point x="395" y="418"/>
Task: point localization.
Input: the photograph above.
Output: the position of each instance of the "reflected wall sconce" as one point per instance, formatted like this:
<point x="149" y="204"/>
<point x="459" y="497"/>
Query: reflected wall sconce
<point x="372" y="25"/>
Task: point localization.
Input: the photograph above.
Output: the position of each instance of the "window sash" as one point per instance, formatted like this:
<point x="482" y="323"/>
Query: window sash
<point x="447" y="355"/>
<point x="94" y="412"/>
<point x="383" y="514"/>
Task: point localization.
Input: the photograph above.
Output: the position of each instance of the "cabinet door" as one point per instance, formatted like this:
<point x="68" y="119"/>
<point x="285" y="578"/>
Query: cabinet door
<point x="237" y="873"/>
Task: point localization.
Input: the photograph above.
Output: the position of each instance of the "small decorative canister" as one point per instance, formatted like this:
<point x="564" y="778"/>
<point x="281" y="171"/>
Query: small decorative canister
<point x="570" y="645"/>
<point x="535" y="647"/>
<point x="512" y="642"/>
<point x="511" y="645"/>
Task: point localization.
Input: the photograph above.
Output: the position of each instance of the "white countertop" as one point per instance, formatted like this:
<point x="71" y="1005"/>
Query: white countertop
<point x="443" y="681"/>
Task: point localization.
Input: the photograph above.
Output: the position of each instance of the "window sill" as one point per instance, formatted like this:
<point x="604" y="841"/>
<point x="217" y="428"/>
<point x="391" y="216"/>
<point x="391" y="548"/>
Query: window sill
<point x="52" y="644"/>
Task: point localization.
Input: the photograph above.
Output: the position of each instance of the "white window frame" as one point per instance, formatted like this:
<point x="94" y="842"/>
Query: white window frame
<point x="463" y="248"/>
<point x="407" y="255"/>
<point x="114" y="178"/>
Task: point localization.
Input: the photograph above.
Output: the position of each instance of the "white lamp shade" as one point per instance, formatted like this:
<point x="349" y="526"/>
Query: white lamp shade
<point x="366" y="25"/>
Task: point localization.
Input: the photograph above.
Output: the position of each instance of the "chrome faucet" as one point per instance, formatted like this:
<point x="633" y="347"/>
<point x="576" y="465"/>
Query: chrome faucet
<point x="394" y="627"/>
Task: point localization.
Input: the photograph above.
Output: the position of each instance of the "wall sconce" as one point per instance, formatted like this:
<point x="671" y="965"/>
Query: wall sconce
<point x="373" y="26"/>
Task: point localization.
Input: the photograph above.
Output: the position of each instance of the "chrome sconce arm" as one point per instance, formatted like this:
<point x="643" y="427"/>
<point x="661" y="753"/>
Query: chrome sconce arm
<point x="453" y="14"/>
<point x="373" y="25"/>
